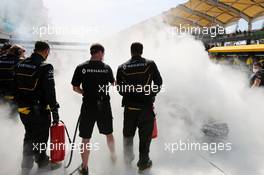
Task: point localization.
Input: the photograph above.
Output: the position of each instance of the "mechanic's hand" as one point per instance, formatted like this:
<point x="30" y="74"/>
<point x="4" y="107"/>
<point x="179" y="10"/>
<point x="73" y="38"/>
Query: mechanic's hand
<point x="55" y="117"/>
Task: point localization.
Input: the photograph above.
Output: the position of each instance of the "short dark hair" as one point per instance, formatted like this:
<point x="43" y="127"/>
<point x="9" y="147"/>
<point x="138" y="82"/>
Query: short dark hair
<point x="95" y="48"/>
<point x="41" y="46"/>
<point x="136" y="48"/>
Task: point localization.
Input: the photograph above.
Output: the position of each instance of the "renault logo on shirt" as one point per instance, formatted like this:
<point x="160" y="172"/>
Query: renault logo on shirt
<point x="134" y="65"/>
<point x="84" y="71"/>
<point x="27" y="66"/>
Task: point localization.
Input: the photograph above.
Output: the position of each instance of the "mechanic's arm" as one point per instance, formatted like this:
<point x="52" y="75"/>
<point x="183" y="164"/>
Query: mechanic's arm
<point x="48" y="87"/>
<point x="78" y="89"/>
<point x="111" y="78"/>
<point x="157" y="79"/>
<point x="77" y="81"/>
<point x="119" y="81"/>
<point x="113" y="84"/>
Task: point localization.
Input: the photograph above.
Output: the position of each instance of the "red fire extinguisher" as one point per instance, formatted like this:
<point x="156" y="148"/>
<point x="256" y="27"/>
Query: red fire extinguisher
<point x="57" y="140"/>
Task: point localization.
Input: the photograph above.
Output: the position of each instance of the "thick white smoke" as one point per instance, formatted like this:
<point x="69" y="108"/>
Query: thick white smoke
<point x="11" y="141"/>
<point x="19" y="21"/>
<point x="195" y="90"/>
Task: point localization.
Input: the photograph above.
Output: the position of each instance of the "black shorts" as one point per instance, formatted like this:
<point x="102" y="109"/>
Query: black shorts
<point x="92" y="113"/>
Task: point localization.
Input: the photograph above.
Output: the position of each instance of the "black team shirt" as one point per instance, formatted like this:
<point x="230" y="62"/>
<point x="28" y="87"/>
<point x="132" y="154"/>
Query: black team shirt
<point x="95" y="78"/>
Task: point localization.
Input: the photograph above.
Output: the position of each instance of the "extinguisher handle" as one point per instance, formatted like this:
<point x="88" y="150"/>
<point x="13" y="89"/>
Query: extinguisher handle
<point x="55" y="123"/>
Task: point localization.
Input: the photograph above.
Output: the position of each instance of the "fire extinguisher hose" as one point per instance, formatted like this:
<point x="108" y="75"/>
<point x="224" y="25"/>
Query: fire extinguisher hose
<point x="72" y="141"/>
<point x="67" y="132"/>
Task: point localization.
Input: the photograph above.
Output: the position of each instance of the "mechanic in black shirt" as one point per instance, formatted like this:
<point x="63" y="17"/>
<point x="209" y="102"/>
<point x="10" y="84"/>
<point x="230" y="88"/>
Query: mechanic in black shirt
<point x="91" y="79"/>
<point x="138" y="81"/>
<point x="36" y="99"/>
<point x="8" y="62"/>
<point x="257" y="79"/>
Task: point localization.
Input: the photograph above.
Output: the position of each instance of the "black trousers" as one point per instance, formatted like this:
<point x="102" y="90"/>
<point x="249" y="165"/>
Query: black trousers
<point x="36" y="124"/>
<point x="142" y="119"/>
